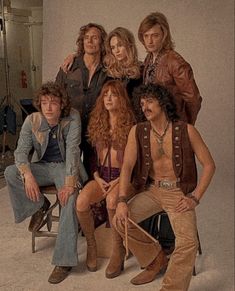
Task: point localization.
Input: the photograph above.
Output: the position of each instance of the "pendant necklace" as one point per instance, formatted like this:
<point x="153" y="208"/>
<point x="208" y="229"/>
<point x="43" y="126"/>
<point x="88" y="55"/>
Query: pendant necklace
<point x="160" y="138"/>
<point x="53" y="131"/>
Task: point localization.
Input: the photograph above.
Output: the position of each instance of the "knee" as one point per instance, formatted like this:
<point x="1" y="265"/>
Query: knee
<point x="11" y="173"/>
<point x="82" y="204"/>
<point x="191" y="244"/>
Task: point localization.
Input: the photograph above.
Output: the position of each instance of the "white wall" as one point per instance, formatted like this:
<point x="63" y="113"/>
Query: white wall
<point x="203" y="31"/>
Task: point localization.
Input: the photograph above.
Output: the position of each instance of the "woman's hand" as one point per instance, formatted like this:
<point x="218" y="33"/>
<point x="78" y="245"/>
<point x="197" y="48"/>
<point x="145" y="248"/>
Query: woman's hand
<point x="68" y="61"/>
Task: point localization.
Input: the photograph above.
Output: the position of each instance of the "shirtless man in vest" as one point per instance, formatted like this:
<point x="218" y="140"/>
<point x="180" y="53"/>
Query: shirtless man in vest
<point x="159" y="161"/>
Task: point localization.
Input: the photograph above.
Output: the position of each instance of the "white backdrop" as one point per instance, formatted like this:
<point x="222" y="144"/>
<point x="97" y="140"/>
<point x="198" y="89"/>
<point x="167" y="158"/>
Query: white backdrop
<point x="203" y="31"/>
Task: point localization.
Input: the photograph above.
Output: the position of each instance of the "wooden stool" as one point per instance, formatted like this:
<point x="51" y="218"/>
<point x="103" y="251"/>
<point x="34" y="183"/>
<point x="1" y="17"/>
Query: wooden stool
<point x="48" y="217"/>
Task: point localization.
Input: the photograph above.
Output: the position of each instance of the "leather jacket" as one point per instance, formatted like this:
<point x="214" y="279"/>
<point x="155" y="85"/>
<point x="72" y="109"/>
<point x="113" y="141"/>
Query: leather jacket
<point x="173" y="72"/>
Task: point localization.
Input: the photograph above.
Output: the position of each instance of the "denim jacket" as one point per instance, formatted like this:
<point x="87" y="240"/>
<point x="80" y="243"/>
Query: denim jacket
<point x="35" y="135"/>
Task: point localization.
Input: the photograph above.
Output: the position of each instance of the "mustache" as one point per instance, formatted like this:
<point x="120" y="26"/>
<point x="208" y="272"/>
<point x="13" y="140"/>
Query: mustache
<point x="147" y="111"/>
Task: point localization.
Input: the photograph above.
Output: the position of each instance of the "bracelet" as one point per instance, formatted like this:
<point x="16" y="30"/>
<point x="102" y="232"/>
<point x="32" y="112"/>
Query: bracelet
<point x="194" y="198"/>
<point x="122" y="199"/>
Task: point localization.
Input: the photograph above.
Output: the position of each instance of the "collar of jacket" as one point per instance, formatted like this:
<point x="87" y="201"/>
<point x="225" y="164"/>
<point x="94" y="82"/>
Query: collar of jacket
<point x="79" y="63"/>
<point x="44" y="126"/>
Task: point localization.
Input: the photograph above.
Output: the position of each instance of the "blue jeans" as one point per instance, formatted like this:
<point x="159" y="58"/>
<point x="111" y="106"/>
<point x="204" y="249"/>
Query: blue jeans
<point x="65" y="252"/>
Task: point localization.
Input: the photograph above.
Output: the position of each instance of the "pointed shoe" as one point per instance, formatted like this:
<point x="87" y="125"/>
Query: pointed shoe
<point x="59" y="274"/>
<point x="152" y="270"/>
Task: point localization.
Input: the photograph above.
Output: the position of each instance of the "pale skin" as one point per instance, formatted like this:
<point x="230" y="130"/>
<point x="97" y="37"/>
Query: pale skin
<point x="163" y="164"/>
<point x="153" y="40"/>
<point x="118" y="50"/>
<point x="92" y="49"/>
<point x="51" y="109"/>
<point x="91" y="193"/>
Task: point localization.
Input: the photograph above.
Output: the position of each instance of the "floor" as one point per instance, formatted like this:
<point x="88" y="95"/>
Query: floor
<point x="21" y="270"/>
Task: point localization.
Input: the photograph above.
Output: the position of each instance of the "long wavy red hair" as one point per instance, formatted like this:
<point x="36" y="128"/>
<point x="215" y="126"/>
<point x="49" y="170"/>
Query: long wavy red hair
<point x="99" y="124"/>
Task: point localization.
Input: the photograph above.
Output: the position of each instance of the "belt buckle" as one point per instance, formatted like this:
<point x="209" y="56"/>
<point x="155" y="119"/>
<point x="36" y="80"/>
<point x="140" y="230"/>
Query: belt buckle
<point x="166" y="184"/>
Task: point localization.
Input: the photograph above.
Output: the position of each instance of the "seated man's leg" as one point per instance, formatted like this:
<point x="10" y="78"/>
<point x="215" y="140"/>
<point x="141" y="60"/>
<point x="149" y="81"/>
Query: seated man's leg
<point x="23" y="207"/>
<point x="141" y="206"/>
<point x="65" y="252"/>
<point x="182" y="260"/>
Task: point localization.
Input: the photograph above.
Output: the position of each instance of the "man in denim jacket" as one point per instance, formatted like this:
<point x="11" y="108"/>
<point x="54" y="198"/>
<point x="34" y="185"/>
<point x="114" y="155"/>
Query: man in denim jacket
<point x="54" y="133"/>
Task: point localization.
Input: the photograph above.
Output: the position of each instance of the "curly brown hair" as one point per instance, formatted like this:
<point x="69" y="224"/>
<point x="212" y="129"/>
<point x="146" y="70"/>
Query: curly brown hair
<point x="80" y="40"/>
<point x="53" y="89"/>
<point x="129" y="67"/>
<point x="99" y="125"/>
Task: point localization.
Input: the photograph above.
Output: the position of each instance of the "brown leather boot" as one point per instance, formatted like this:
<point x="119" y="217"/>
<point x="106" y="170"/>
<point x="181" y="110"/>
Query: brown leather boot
<point x="116" y="262"/>
<point x="87" y="224"/>
<point x="151" y="271"/>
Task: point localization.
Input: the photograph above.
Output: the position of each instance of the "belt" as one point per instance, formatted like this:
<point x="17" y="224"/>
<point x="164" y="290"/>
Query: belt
<point x="165" y="184"/>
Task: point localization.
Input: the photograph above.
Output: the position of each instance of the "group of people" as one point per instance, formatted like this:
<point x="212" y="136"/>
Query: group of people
<point x="133" y="124"/>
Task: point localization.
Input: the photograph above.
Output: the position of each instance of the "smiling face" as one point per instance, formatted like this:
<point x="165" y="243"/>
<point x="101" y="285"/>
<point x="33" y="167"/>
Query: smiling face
<point x="92" y="41"/>
<point x="51" y="108"/>
<point x="153" y="39"/>
<point x="111" y="100"/>
<point x="118" y="48"/>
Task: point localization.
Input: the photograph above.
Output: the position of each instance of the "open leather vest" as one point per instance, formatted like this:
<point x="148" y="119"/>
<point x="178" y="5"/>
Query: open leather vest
<point x="183" y="157"/>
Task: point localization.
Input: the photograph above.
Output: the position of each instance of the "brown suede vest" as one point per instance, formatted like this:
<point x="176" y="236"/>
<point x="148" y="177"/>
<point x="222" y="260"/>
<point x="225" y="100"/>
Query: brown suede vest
<point x="182" y="157"/>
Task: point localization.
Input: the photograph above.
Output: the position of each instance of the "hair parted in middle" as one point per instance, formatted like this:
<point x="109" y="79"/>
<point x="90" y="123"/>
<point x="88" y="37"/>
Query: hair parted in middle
<point x="151" y="20"/>
<point x="99" y="124"/>
<point x="129" y="67"/>
<point x="80" y="40"/>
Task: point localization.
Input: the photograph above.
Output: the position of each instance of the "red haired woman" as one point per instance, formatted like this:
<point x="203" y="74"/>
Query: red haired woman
<point x="109" y="125"/>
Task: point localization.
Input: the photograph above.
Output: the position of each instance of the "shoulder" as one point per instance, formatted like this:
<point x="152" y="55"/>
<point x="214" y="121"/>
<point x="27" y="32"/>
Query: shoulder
<point x="174" y="58"/>
<point x="35" y="117"/>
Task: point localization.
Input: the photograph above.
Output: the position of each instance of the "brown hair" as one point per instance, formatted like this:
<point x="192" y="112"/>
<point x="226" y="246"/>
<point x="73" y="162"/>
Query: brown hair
<point x="83" y="30"/>
<point x="129" y="67"/>
<point x="99" y="126"/>
<point x="151" y="20"/>
<point x="53" y="89"/>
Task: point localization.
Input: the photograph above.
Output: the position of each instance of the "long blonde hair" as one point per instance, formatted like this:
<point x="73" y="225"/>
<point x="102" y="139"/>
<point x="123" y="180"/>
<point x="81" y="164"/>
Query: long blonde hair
<point x="99" y="125"/>
<point x="129" y="67"/>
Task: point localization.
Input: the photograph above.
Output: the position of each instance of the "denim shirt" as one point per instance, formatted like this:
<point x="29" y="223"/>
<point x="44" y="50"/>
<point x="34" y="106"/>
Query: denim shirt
<point x="35" y="135"/>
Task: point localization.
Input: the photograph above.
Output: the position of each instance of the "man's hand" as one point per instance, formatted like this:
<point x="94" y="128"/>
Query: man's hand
<point x="185" y="204"/>
<point x="31" y="187"/>
<point x="122" y="211"/>
<point x="64" y="193"/>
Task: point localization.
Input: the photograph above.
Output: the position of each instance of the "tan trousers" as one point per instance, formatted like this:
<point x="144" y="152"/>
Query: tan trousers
<point x="182" y="260"/>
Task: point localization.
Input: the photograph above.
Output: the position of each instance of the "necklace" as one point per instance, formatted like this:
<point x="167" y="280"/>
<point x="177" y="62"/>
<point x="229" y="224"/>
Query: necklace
<point x="160" y="138"/>
<point x="53" y="132"/>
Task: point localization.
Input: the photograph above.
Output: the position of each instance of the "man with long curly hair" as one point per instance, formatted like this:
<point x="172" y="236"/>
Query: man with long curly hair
<point x="109" y="125"/>
<point x="159" y="161"/>
<point x="85" y="77"/>
<point x="54" y="135"/>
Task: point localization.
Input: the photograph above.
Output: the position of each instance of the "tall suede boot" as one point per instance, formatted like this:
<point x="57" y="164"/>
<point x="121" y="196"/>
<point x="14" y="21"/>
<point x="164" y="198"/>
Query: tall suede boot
<point x="116" y="262"/>
<point x="87" y="224"/>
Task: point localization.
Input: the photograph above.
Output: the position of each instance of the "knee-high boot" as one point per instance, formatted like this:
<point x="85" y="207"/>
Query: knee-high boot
<point x="116" y="262"/>
<point x="87" y="224"/>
